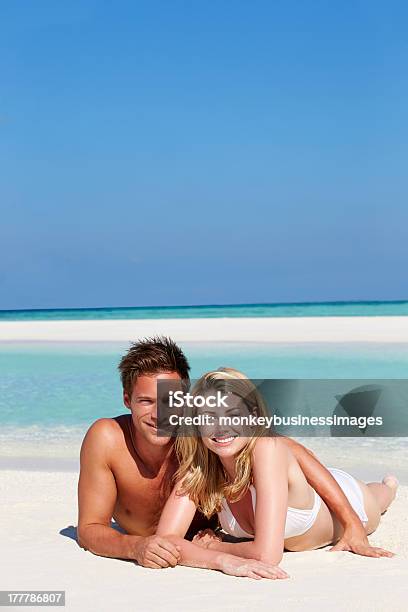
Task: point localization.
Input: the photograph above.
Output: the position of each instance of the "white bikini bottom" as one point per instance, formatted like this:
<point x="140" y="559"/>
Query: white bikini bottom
<point x="299" y="521"/>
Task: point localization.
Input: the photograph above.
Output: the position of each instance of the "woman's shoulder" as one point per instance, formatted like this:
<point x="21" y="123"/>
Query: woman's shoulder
<point x="271" y="446"/>
<point x="270" y="463"/>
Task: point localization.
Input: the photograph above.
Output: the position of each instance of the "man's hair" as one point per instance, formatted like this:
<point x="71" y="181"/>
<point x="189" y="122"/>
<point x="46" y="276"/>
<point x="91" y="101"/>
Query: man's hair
<point x="152" y="356"/>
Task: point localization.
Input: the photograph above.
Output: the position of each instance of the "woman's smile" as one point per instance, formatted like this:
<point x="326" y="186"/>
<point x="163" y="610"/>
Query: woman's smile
<point x="223" y="440"/>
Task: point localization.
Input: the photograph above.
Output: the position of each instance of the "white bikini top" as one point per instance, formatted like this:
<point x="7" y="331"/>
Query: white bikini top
<point x="297" y="521"/>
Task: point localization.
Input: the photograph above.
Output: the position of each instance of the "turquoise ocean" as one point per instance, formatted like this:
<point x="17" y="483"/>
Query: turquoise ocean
<point x="309" y="309"/>
<point x="51" y="392"/>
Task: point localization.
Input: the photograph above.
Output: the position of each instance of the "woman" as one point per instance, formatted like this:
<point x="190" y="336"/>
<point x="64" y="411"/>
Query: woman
<point x="257" y="488"/>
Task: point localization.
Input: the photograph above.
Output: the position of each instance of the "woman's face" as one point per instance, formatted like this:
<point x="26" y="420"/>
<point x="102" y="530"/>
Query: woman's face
<point x="227" y="435"/>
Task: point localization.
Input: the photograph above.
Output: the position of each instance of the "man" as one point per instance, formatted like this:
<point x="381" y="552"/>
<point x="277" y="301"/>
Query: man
<point x="127" y="470"/>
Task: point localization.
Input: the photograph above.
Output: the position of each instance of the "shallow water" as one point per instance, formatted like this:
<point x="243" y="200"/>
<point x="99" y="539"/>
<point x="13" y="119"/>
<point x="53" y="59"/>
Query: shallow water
<point x="68" y="385"/>
<point x="51" y="392"/>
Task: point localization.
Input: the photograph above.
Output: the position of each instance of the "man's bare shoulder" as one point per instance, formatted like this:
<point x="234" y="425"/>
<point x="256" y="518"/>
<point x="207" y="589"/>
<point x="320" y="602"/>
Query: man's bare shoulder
<point x="104" y="436"/>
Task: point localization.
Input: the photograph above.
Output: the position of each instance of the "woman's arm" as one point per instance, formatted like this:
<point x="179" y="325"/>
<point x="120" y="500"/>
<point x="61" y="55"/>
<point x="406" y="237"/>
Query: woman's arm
<point x="195" y="556"/>
<point x="174" y="523"/>
<point x="270" y="472"/>
<point x="354" y="538"/>
<point x="177" y="514"/>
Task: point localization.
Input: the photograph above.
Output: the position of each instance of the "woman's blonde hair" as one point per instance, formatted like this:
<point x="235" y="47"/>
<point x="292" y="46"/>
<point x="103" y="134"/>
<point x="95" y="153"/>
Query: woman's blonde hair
<point x="201" y="473"/>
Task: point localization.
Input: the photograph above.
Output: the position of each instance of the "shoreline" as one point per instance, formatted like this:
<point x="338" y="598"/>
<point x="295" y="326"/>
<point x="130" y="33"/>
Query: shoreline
<point x="377" y="457"/>
<point x="384" y="329"/>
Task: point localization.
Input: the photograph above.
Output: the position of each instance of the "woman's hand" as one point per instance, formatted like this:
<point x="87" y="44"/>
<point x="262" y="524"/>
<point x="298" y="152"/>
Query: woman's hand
<point x="205" y="537"/>
<point x="357" y="543"/>
<point x="250" y="568"/>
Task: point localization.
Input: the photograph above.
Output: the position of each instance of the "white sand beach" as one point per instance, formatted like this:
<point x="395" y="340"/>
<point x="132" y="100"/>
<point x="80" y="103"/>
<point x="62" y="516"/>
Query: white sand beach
<point x="38" y="493"/>
<point x="39" y="551"/>
<point x="268" y="329"/>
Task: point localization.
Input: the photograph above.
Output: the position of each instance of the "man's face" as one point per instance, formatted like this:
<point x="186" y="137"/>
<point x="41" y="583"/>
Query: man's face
<point x="143" y="406"/>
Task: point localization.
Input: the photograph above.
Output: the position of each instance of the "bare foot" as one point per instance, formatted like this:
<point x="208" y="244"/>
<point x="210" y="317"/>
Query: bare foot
<point x="391" y="481"/>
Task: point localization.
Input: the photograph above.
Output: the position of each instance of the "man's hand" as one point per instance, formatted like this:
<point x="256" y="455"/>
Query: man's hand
<point x="156" y="552"/>
<point x="357" y="542"/>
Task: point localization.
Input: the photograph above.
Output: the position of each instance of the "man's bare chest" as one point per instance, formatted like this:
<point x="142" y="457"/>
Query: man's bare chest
<point x="140" y="495"/>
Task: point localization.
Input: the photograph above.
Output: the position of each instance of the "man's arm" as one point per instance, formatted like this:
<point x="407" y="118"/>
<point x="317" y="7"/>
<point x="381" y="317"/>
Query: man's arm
<point x="354" y="538"/>
<point x="96" y="501"/>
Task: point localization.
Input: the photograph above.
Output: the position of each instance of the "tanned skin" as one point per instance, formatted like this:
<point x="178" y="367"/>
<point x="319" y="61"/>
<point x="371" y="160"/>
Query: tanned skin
<point x="124" y="469"/>
<point x="126" y="474"/>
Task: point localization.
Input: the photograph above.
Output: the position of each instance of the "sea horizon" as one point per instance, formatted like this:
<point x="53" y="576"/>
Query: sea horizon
<point x="355" y="308"/>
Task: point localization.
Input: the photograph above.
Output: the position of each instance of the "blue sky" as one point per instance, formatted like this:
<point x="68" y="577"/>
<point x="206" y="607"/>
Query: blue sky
<point x="158" y="153"/>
